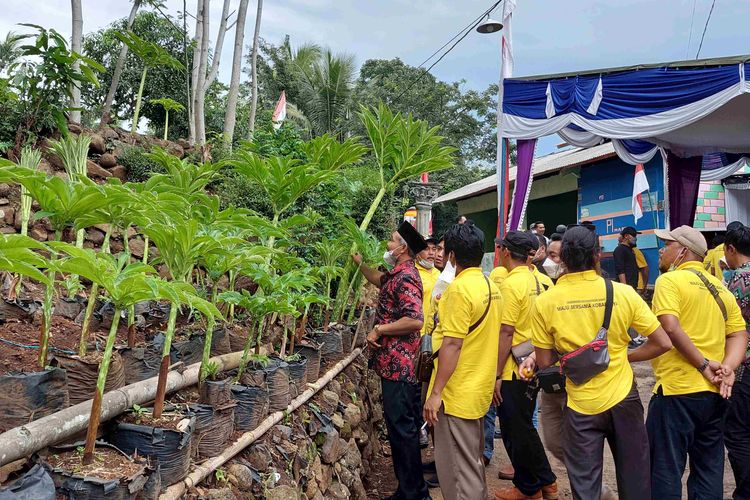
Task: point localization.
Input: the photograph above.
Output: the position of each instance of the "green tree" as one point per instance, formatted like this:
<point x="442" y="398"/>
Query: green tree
<point x="104" y="46"/>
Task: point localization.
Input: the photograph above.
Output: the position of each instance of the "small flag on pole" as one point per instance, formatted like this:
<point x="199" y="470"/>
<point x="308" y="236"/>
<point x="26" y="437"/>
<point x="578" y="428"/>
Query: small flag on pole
<point x="280" y="112"/>
<point x="640" y="185"/>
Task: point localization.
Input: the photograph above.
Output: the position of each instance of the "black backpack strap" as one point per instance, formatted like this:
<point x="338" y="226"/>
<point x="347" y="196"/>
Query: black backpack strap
<point x="484" y="314"/>
<point x="608" y="302"/>
<point x="714" y="292"/>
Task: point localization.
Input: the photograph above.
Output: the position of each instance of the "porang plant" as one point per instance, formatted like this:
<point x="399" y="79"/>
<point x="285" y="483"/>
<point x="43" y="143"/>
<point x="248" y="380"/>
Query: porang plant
<point x="152" y="56"/>
<point x="30" y="159"/>
<point x="402" y="148"/>
<point x="168" y="105"/>
<point x="62" y="202"/>
<point x="125" y="284"/>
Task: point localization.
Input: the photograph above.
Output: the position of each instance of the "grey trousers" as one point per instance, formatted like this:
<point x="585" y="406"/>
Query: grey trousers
<point x="551" y="410"/>
<point x="458" y="457"/>
<point x="623" y="427"/>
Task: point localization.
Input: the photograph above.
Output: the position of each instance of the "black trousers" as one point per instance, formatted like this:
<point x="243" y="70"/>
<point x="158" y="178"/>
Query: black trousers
<point x="681" y="426"/>
<point x="401" y="410"/>
<point x="521" y="440"/>
<point x="737" y="435"/>
<point x="622" y="426"/>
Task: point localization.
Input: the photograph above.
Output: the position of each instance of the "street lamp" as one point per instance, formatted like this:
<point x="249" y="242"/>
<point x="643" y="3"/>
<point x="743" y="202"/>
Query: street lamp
<point x="489" y="25"/>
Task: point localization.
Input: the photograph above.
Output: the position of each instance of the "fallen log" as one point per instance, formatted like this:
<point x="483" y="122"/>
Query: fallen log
<point x="206" y="468"/>
<point x="24" y="440"/>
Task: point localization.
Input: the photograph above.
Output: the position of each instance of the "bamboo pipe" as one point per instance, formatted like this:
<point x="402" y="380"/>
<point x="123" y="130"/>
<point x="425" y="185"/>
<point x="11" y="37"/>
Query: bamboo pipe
<point x="206" y="468"/>
<point x="24" y="440"/>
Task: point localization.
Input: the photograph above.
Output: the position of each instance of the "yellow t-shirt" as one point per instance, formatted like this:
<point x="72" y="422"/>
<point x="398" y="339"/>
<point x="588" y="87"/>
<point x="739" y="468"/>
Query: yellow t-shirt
<point x="519" y="291"/>
<point x="498" y="274"/>
<point x="711" y="261"/>
<point x="544" y="280"/>
<point x="429" y="278"/>
<point x="640" y="261"/>
<point x="570" y="315"/>
<point x="682" y="294"/>
<point x="468" y="392"/>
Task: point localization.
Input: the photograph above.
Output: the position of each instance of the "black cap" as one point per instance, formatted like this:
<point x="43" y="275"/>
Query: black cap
<point x="560" y="229"/>
<point x="432" y="240"/>
<point x="412" y="237"/>
<point x="519" y="242"/>
<point x="629" y="230"/>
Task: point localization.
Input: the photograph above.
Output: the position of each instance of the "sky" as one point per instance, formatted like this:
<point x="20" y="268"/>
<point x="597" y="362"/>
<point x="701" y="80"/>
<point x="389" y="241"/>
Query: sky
<point x="549" y="36"/>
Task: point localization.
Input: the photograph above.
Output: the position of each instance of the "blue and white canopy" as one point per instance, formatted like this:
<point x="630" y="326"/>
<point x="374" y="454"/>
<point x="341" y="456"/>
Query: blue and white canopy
<point x="691" y="108"/>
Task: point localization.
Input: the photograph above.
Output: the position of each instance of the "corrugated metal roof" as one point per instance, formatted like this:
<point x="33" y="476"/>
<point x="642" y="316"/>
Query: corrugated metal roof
<point x="543" y="165"/>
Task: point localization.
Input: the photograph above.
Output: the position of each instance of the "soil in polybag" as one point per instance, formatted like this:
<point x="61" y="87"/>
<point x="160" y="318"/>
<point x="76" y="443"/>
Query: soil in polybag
<point x="35" y="484"/>
<point x="220" y="344"/>
<point x="168" y="447"/>
<point x="277" y="380"/>
<point x="29" y="396"/>
<point x="112" y="475"/>
<point x="254" y="375"/>
<point x="215" y="392"/>
<point x="312" y="354"/>
<point x="331" y="348"/>
<point x="83" y="372"/>
<point x="297" y="376"/>
<point x="214" y="427"/>
<point x="252" y="406"/>
<point x="140" y="363"/>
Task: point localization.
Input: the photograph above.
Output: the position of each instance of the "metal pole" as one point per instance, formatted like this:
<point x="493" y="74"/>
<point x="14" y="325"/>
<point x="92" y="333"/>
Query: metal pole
<point x="501" y="166"/>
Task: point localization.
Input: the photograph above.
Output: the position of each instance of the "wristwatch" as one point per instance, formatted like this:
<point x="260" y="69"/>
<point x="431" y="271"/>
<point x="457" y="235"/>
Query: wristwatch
<point x="703" y="365"/>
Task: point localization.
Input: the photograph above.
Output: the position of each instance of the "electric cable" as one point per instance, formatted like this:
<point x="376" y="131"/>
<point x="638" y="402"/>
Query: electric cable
<point x="690" y="35"/>
<point x="460" y="35"/>
<point x="705" y="27"/>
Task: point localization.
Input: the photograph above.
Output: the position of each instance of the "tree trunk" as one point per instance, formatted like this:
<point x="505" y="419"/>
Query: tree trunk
<point x="200" y="94"/>
<point x="195" y="71"/>
<point x="254" y="69"/>
<point x="216" y="61"/>
<point x="75" y="46"/>
<point x="107" y="108"/>
<point x="230" y="117"/>
<point x="96" y="405"/>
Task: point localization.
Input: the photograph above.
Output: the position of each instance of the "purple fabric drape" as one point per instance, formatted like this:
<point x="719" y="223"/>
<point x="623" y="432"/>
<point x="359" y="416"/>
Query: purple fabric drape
<point x="524" y="161"/>
<point x="683" y="180"/>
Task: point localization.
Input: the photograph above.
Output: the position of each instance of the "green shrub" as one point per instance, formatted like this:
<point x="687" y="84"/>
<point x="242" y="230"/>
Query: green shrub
<point x="140" y="167"/>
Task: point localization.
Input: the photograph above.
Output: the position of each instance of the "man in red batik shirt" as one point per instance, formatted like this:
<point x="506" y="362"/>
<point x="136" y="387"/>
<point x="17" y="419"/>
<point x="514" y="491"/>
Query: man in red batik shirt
<point x="394" y="344"/>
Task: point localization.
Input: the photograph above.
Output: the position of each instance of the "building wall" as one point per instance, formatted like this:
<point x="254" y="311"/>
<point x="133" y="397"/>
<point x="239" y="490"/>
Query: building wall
<point x="605" y="198"/>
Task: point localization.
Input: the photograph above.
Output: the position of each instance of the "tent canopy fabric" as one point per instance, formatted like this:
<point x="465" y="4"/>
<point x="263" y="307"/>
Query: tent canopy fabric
<point x="690" y="108"/>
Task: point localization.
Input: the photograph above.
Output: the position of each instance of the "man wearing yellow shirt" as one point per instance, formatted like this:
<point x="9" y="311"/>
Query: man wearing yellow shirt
<point x="607" y="406"/>
<point x="533" y="476"/>
<point x="460" y="390"/>
<point x="640" y="261"/>
<point x="706" y="327"/>
<point x="425" y="264"/>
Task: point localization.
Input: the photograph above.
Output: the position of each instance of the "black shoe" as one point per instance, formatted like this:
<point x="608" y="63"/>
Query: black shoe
<point x="432" y="481"/>
<point x="429" y="467"/>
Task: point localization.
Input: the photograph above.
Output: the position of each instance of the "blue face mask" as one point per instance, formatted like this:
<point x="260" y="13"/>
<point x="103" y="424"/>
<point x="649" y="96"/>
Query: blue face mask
<point x="728" y="275"/>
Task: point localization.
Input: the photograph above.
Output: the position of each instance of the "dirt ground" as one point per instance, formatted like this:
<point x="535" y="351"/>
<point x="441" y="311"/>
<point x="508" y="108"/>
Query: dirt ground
<point x="386" y="482"/>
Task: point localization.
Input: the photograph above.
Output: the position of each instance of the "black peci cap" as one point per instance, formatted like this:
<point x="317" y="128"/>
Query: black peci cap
<point x="411" y="236"/>
<point x="519" y="242"/>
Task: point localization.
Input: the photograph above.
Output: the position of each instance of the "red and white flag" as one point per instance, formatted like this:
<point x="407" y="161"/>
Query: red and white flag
<point x="280" y="112"/>
<point x="640" y="185"/>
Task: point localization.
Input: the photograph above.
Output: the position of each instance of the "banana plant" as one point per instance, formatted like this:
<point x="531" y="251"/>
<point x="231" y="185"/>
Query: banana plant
<point x="402" y="148"/>
<point x="126" y="284"/>
<point x="152" y="56"/>
<point x="168" y="105"/>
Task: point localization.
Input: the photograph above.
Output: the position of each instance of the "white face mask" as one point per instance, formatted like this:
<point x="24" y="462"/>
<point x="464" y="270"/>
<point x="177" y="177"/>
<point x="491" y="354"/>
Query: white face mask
<point x="389" y="258"/>
<point x="552" y="268"/>
<point x="426" y="263"/>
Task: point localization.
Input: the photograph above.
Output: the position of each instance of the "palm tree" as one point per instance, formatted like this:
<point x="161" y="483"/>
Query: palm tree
<point x="10" y="49"/>
<point x="325" y="91"/>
